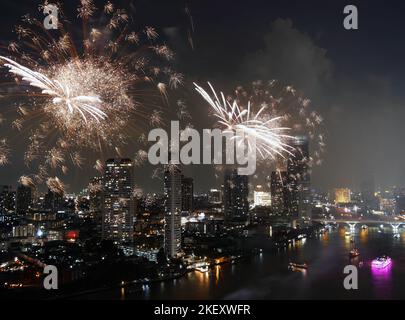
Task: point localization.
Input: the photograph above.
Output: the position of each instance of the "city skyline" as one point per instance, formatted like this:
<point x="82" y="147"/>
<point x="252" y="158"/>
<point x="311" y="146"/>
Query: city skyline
<point x="293" y="29"/>
<point x="202" y="150"/>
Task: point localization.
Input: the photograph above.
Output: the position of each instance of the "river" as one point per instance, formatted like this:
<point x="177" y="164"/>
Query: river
<point x="265" y="275"/>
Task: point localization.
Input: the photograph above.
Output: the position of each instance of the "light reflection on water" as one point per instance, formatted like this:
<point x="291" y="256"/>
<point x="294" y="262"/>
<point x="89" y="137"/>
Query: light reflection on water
<point x="266" y="276"/>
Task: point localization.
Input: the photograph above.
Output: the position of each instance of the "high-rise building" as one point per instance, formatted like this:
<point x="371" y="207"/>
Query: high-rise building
<point x="187" y="194"/>
<point x="173" y="203"/>
<point x="298" y="175"/>
<point x="368" y="194"/>
<point x="53" y="200"/>
<point x="7" y="199"/>
<point x="118" y="202"/>
<point x="400" y="204"/>
<point x="96" y="196"/>
<point x="261" y="197"/>
<point x="214" y="196"/>
<point x="342" y="195"/>
<point x="279" y="191"/>
<point x="236" y="192"/>
<point x="23" y="199"/>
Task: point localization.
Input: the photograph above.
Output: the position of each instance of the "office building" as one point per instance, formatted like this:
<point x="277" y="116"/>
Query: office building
<point x="118" y="203"/>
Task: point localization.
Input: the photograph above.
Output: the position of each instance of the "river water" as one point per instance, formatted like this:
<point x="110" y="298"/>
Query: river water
<point x="265" y="275"/>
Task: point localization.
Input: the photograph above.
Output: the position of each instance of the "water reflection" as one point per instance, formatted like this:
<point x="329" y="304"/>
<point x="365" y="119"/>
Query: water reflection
<point x="382" y="283"/>
<point x="382" y="274"/>
<point x="266" y="276"/>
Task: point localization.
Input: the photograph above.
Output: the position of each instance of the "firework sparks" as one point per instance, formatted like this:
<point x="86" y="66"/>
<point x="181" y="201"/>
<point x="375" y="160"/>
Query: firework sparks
<point x="4" y="152"/>
<point x="87" y="93"/>
<point x="261" y="133"/>
<point x="59" y="91"/>
<point x="95" y="187"/>
<point x="27" y="181"/>
<point x="294" y="108"/>
<point x="99" y="166"/>
<point x="56" y="185"/>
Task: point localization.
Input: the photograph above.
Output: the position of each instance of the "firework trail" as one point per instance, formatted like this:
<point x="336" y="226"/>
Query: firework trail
<point x="261" y="132"/>
<point x="269" y="109"/>
<point x="87" y="92"/>
<point x="294" y="108"/>
<point x="4" y="152"/>
<point x="60" y="92"/>
<point x="56" y="185"/>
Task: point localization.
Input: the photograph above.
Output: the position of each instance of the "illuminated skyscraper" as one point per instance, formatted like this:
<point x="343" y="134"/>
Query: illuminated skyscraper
<point x="7" y="199"/>
<point x="187" y="194"/>
<point x="23" y="199"/>
<point x="298" y="175"/>
<point x="118" y="203"/>
<point x="235" y="199"/>
<point x="261" y="197"/>
<point x="214" y="196"/>
<point x="279" y="191"/>
<point x="173" y="202"/>
<point x="53" y="201"/>
<point x="96" y="196"/>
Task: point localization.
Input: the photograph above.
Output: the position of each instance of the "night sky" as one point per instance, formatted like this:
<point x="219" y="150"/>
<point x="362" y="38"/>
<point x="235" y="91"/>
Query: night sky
<point x="354" y="78"/>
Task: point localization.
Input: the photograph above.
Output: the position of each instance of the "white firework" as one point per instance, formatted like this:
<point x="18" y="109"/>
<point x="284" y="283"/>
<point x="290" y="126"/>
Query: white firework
<point x="59" y="92"/>
<point x="260" y="131"/>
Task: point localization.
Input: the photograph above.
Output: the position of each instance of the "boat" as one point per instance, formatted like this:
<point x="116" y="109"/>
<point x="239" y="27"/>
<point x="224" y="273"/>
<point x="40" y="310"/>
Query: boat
<point x="364" y="227"/>
<point x="294" y="266"/>
<point x="381" y="262"/>
<point x="202" y="269"/>
<point x="354" y="253"/>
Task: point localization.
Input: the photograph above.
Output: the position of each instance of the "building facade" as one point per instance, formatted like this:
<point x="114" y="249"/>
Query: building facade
<point x="23" y="200"/>
<point x="173" y="205"/>
<point x="235" y="195"/>
<point x="118" y="202"/>
<point x="187" y="194"/>
<point x="299" y="180"/>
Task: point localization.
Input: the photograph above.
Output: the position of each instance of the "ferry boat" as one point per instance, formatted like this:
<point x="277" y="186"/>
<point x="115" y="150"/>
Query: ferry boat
<point x="381" y="262"/>
<point x="293" y="266"/>
<point x="354" y="253"/>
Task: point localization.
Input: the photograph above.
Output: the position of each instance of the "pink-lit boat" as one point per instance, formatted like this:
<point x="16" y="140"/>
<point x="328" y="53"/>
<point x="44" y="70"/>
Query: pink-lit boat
<point x="381" y="262"/>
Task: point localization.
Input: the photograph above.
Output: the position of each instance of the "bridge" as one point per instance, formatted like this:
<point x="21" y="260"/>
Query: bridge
<point x="395" y="224"/>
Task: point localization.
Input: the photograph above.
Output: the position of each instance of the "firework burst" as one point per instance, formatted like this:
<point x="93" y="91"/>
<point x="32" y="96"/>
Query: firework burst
<point x="56" y="185"/>
<point x="4" y="152"/>
<point x="261" y="132"/>
<point x="294" y="109"/>
<point x="266" y="111"/>
<point x="87" y="93"/>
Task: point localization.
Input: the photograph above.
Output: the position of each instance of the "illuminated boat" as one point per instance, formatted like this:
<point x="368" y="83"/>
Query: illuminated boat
<point x="354" y="253"/>
<point x="202" y="268"/>
<point x="294" y="266"/>
<point x="381" y="262"/>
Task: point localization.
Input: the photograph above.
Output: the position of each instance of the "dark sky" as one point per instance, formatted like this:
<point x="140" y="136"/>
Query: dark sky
<point x="354" y="78"/>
